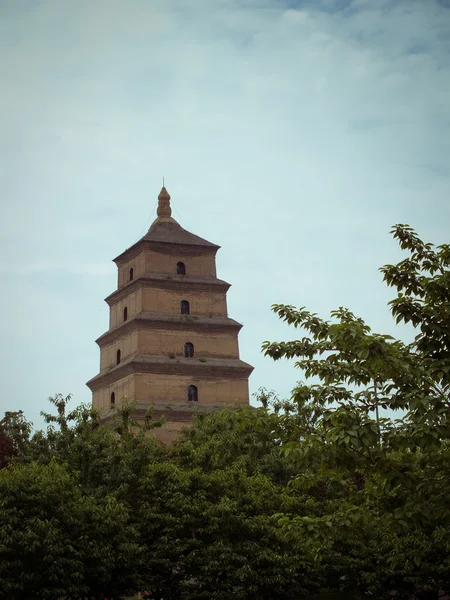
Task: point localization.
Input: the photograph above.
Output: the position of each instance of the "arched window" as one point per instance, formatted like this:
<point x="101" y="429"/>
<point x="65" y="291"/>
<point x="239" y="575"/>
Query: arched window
<point x="181" y="268"/>
<point x="184" y="307"/>
<point x="131" y="274"/>
<point x="113" y="399"/>
<point x="118" y="356"/>
<point x="188" y="350"/>
<point x="192" y="392"/>
<point x="125" y="313"/>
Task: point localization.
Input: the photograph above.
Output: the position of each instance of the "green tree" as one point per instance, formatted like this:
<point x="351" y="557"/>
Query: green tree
<point x="389" y="527"/>
<point x="246" y="437"/>
<point x="7" y="449"/>
<point x="202" y="512"/>
<point x="212" y="536"/>
<point x="107" y="459"/>
<point x="15" y="433"/>
<point x="57" y="542"/>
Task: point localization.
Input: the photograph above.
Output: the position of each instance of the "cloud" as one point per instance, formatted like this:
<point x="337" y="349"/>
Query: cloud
<point x="294" y="134"/>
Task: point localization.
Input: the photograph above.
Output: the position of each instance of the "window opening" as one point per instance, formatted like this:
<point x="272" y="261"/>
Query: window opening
<point x="192" y="393"/>
<point x="188" y="350"/>
<point x="184" y="307"/>
<point x="118" y="356"/>
<point x="113" y="398"/>
<point x="181" y="268"/>
<point x="125" y="313"/>
<point x="131" y="274"/>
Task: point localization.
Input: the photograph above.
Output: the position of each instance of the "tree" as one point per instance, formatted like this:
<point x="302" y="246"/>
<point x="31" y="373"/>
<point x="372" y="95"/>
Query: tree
<point x="57" y="542"/>
<point x="107" y="459"/>
<point x="14" y="436"/>
<point x="212" y="536"/>
<point x="247" y="437"/>
<point x="6" y="448"/>
<point x="93" y="470"/>
<point x="392" y="472"/>
<point x="202" y="514"/>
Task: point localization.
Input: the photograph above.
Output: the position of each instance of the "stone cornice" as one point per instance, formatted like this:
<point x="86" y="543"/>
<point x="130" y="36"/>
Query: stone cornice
<point x="148" y="320"/>
<point x="164" y="248"/>
<point x="169" y="282"/>
<point x="210" y="368"/>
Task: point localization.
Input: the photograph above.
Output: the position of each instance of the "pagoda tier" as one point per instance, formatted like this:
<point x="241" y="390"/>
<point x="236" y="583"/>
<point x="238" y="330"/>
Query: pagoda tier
<point x="149" y="320"/>
<point x="176" y="365"/>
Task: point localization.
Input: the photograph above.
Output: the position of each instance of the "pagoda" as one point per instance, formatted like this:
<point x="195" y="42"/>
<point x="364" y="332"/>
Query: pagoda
<point x="170" y="344"/>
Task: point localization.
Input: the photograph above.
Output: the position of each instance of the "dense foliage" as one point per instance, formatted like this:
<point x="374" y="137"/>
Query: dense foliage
<point x="390" y="523"/>
<point x="341" y="491"/>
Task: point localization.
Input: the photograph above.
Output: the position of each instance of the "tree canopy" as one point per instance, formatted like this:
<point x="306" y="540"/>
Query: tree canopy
<point x="392" y="519"/>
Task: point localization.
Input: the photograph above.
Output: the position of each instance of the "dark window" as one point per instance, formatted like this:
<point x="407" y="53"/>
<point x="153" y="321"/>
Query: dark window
<point x="125" y="313"/>
<point x="113" y="398"/>
<point x="131" y="274"/>
<point x="181" y="268"/>
<point x="118" y="356"/>
<point x="192" y="393"/>
<point x="184" y="307"/>
<point x="188" y="350"/>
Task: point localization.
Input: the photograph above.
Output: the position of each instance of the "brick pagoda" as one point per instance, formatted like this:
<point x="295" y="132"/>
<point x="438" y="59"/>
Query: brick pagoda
<point x="170" y="343"/>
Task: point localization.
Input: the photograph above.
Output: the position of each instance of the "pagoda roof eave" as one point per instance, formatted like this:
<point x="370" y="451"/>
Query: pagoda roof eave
<point x="184" y="282"/>
<point x="206" y="368"/>
<point x="189" y="322"/>
<point x="182" y="247"/>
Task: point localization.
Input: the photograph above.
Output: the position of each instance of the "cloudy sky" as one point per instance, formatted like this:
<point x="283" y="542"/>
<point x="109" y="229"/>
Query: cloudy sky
<point x="292" y="133"/>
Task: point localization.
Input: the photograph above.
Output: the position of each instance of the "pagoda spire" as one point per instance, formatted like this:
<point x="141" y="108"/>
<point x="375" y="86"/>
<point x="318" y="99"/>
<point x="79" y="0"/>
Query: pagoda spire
<point x="164" y="209"/>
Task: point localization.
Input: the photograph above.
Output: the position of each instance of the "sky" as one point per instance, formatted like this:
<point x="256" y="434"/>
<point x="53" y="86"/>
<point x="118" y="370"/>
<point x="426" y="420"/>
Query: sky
<point x="294" y="134"/>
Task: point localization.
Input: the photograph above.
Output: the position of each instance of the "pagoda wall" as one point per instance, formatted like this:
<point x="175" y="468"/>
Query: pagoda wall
<point x="137" y="263"/>
<point x="150" y="261"/>
<point x="200" y="302"/>
<point x="128" y="346"/>
<point x="159" y="389"/>
<point x="196" y="266"/>
<point x="133" y="302"/>
<point x="170" y="431"/>
<point x="101" y="398"/>
<point x="149" y="388"/>
<point x="164" y="341"/>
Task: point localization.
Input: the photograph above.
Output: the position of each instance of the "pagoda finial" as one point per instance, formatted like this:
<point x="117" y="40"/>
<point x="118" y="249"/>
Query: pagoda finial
<point x="164" y="209"/>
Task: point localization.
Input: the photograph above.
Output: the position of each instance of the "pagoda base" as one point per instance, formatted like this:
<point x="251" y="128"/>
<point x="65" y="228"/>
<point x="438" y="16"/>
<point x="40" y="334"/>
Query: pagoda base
<point x="175" y="419"/>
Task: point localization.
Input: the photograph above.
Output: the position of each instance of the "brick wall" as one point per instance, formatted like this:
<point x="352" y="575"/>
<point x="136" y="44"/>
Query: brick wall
<point x="160" y="389"/>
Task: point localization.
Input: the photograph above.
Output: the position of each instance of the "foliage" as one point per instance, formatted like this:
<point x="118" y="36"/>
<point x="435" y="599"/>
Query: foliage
<point x="7" y="450"/>
<point x="247" y="437"/>
<point x="189" y="530"/>
<point x="14" y="434"/>
<point x="394" y="470"/>
<point x="214" y="536"/>
<point x="106" y="459"/>
<point x="56" y="542"/>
